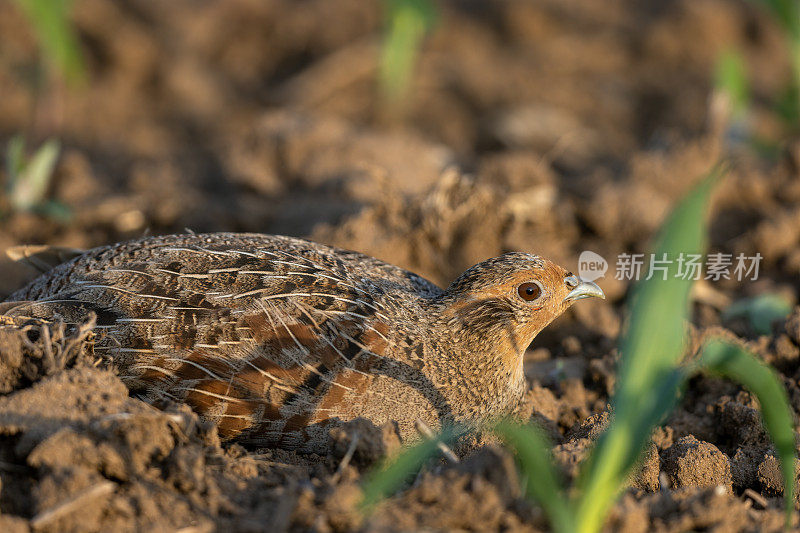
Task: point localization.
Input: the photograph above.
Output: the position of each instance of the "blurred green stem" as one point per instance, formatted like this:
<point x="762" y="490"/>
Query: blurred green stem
<point x="649" y="376"/>
<point x="794" y="49"/>
<point x="408" y="21"/>
<point x="50" y="20"/>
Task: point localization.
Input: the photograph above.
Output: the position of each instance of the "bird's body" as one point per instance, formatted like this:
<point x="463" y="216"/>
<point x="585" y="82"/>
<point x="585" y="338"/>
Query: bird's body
<point x="275" y="339"/>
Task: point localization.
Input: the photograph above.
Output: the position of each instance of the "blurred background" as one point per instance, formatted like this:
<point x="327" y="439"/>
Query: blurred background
<point x="431" y="134"/>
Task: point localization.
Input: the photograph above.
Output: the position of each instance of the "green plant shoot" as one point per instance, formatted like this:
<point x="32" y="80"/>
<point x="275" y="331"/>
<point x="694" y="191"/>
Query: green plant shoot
<point x="56" y="37"/>
<point x="730" y="78"/>
<point x="407" y="21"/>
<point x="29" y="180"/>
<point x="393" y="473"/>
<point x="731" y="361"/>
<point x="651" y="349"/>
<point x="760" y="311"/>
<point x="787" y="13"/>
<point x="543" y="485"/>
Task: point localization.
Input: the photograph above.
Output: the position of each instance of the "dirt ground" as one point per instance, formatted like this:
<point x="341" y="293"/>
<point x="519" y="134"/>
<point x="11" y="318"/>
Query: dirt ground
<point x="551" y="127"/>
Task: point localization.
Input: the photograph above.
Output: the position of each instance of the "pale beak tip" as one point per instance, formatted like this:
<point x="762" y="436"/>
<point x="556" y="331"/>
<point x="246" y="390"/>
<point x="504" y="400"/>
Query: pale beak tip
<point x="585" y="289"/>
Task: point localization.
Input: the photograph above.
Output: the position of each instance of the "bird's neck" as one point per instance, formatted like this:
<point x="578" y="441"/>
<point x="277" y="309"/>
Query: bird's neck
<point x="486" y="351"/>
<point x="483" y="326"/>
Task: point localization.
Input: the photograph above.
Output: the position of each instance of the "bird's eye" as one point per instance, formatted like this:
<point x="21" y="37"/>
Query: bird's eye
<point x="529" y="291"/>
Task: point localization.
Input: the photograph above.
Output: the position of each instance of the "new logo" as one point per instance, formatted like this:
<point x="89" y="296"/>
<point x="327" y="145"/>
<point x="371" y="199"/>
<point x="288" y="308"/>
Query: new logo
<point x="591" y="266"/>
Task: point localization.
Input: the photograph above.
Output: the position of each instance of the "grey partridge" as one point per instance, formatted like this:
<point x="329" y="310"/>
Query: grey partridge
<point x="276" y="339"/>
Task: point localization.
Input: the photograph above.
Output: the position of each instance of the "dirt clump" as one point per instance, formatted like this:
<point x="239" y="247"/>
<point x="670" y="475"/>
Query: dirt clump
<point x="364" y="443"/>
<point x="693" y="463"/>
<point x="33" y="349"/>
<point x="481" y="491"/>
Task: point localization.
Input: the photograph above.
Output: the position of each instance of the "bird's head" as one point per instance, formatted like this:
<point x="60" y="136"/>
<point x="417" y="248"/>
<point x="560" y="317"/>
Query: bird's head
<point x="509" y="299"/>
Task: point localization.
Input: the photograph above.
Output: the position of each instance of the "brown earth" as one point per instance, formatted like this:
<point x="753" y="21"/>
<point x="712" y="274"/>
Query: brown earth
<point x="551" y="127"/>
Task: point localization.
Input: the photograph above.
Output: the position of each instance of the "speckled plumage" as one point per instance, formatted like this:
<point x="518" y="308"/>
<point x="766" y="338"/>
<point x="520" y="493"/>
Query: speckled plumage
<point x="276" y="338"/>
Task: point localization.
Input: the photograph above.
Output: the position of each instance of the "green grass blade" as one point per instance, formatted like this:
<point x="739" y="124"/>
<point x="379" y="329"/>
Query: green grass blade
<point x="30" y="186"/>
<point x="533" y="452"/>
<point x="391" y="475"/>
<point x="15" y="157"/>
<point x="655" y="408"/>
<point x="654" y="341"/>
<point x="651" y="348"/>
<point x="730" y="78"/>
<point x="733" y="362"/>
<point x="50" y="20"/>
<point x="618" y="451"/>
<point x="408" y="21"/>
<point x="760" y="311"/>
<point x="787" y="12"/>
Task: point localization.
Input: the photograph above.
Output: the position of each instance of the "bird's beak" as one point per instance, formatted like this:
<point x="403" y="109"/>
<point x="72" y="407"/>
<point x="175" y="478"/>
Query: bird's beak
<point x="585" y="289"/>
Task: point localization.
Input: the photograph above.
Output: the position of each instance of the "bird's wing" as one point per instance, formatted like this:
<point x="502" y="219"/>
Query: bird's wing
<point x="265" y="341"/>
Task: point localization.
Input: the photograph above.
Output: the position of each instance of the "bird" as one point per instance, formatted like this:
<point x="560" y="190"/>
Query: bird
<point x="277" y="340"/>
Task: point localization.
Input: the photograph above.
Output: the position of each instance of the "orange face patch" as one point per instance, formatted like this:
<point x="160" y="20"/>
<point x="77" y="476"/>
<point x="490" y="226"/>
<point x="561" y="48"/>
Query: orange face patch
<point x="550" y="277"/>
<point x="509" y="321"/>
